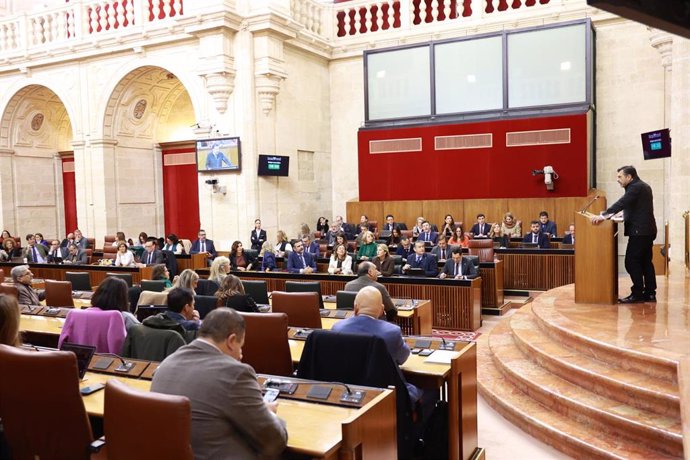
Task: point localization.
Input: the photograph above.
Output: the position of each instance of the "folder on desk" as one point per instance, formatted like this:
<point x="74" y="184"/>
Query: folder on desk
<point x="442" y="357"/>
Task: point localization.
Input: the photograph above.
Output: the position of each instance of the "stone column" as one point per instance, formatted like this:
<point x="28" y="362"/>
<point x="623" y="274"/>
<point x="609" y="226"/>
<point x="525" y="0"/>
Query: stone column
<point x="7" y="198"/>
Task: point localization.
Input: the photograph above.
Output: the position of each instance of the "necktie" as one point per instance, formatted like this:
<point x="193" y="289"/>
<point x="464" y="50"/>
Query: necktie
<point x="573" y="239"/>
<point x="534" y="237"/>
<point x="443" y="253"/>
<point x="203" y="246"/>
<point x="419" y="259"/>
<point x="35" y="253"/>
<point x="457" y="269"/>
<point x="150" y="258"/>
<point x="304" y="264"/>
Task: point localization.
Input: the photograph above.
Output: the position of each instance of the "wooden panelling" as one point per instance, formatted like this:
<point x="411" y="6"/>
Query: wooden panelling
<point x="435" y="211"/>
<point x="372" y="209"/>
<point x="404" y="212"/>
<point x="492" y="284"/>
<point x="526" y="210"/>
<point x="492" y="209"/>
<point x="535" y="270"/>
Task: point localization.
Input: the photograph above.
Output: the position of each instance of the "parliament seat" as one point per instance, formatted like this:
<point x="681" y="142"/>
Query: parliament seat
<point x="58" y="293"/>
<point x="91" y="242"/>
<point x="301" y="308"/>
<point x="127" y="277"/>
<point x="108" y="247"/>
<point x="103" y="329"/>
<point x="257" y="289"/>
<point x="153" y="285"/>
<point x="81" y="281"/>
<point x="305" y="286"/>
<point x="206" y="287"/>
<point x="152" y="298"/>
<point x="151" y="344"/>
<point x="345" y="300"/>
<point x="266" y="347"/>
<point x="204" y="304"/>
<point x="124" y="433"/>
<point x="482" y="247"/>
<point x="144" y="311"/>
<point x="9" y="289"/>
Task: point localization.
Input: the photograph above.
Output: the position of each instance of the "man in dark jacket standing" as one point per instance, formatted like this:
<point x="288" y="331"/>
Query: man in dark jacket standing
<point x="640" y="228"/>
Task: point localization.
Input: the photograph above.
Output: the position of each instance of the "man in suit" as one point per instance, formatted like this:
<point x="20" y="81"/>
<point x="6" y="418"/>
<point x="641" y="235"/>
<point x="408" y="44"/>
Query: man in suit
<point x="367" y="274"/>
<point x="55" y="252"/>
<point x="548" y="227"/>
<point x="535" y="236"/>
<point x="405" y="248"/>
<point x="66" y="242"/>
<point x="203" y="245"/>
<point x="229" y="417"/>
<point x="300" y="261"/>
<point x="442" y="251"/>
<point x="80" y="240"/>
<point x="333" y="231"/>
<point x="258" y="235"/>
<point x="637" y="204"/>
<point x="311" y="247"/>
<point x="35" y="253"/>
<point x="427" y="235"/>
<point x="458" y="267"/>
<point x="390" y="223"/>
<point x="569" y="238"/>
<point x="22" y="276"/>
<point x="152" y="255"/>
<point x="481" y="229"/>
<point x="368" y="310"/>
<point x="420" y="259"/>
<point x="215" y="159"/>
<point x="75" y="256"/>
<point x="344" y="227"/>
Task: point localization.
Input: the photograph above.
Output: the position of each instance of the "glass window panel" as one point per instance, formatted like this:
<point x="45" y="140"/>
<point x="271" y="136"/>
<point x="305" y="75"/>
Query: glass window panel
<point x="399" y="84"/>
<point x="547" y="67"/>
<point x="469" y="75"/>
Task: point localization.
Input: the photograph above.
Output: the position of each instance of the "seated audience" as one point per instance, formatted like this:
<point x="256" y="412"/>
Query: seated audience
<point x="340" y="262"/>
<point x="405" y="248"/>
<point x="417" y="229"/>
<point x="66" y="242"/>
<point x="160" y="273"/>
<point x="11" y="248"/>
<point x="343" y="227"/>
<point x="120" y="238"/>
<point x="202" y="245"/>
<point x="111" y="294"/>
<point x="173" y="244"/>
<point x="232" y="290"/>
<point x="282" y="246"/>
<point x="229" y="417"/>
<point x="331" y="234"/>
<point x="458" y="267"/>
<point x="481" y="228"/>
<point x="240" y="260"/>
<point x="124" y="257"/>
<point x="303" y="230"/>
<point x="367" y="250"/>
<point x="427" y="235"/>
<point x="322" y="226"/>
<point x="219" y="269"/>
<point x="420" y="259"/>
<point x="383" y="260"/>
<point x="396" y="236"/>
<point x="75" y="255"/>
<point x="368" y="310"/>
<point x="548" y="227"/>
<point x="536" y="236"/>
<point x="9" y="321"/>
<point x="34" y="253"/>
<point x="390" y="224"/>
<point x="40" y="240"/>
<point x="258" y="235"/>
<point x="300" y="261"/>
<point x="367" y="274"/>
<point x="268" y="261"/>
<point x="511" y="227"/>
<point x="181" y="309"/>
<point x="312" y="247"/>
<point x="151" y="255"/>
<point x="5" y="234"/>
<point x="442" y="251"/>
<point x="22" y="277"/>
<point x="459" y="238"/>
<point x="497" y="235"/>
<point x="363" y="224"/>
<point x="55" y="253"/>
<point x="142" y="239"/>
<point x="448" y="227"/>
<point x="569" y="238"/>
<point x="341" y="238"/>
<point x="362" y="230"/>
<point x="80" y="240"/>
<point x="188" y="279"/>
<point x="3" y="256"/>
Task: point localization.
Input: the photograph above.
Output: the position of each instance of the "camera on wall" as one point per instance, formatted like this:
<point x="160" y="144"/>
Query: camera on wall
<point x="212" y="181"/>
<point x="550" y="175"/>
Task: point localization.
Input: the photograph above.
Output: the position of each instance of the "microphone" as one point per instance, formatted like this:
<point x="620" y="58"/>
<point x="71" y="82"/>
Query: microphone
<point x="589" y="204"/>
<point x="446" y="345"/>
<point x="125" y="366"/>
<point x="349" y="391"/>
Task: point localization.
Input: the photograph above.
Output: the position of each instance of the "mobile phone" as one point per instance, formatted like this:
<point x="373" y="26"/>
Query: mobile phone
<point x="271" y="394"/>
<point x="91" y="389"/>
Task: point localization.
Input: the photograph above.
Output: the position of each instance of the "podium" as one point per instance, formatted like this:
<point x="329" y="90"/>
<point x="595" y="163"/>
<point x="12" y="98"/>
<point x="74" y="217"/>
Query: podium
<point x="596" y="261"/>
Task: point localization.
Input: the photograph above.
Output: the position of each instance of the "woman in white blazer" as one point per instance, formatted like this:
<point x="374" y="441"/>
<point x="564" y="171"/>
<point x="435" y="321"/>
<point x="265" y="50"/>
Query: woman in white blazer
<point x="124" y="257"/>
<point x="341" y="262"/>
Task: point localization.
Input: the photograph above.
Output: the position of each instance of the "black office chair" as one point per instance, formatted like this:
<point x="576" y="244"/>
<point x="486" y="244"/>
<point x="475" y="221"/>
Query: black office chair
<point x="206" y="287"/>
<point x="398" y="264"/>
<point x="244" y="303"/>
<point x="345" y="300"/>
<point x="204" y="304"/>
<point x="127" y="277"/>
<point x="257" y="289"/>
<point x="81" y="281"/>
<point x="149" y="310"/>
<point x="153" y="285"/>
<point x="369" y="363"/>
<point x="305" y="286"/>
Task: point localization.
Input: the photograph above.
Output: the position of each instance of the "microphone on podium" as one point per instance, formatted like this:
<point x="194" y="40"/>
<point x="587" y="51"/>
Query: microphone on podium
<point x="583" y="210"/>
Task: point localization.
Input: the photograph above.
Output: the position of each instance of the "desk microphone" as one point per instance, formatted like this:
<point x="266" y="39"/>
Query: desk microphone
<point x="589" y="204"/>
<point x="349" y="391"/>
<point x="125" y="366"/>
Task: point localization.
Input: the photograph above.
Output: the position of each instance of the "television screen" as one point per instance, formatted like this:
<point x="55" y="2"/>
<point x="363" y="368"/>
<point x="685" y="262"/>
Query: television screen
<point x="656" y="144"/>
<point x="218" y="154"/>
<point x="274" y="165"/>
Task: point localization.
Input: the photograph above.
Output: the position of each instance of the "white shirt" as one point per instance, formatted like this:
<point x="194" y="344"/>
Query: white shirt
<point x="346" y="266"/>
<point x="125" y="259"/>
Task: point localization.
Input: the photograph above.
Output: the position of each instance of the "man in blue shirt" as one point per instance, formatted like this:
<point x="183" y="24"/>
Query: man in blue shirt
<point x="181" y="309"/>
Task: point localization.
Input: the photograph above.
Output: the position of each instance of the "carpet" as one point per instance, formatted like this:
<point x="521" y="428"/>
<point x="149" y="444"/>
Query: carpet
<point x="464" y="336"/>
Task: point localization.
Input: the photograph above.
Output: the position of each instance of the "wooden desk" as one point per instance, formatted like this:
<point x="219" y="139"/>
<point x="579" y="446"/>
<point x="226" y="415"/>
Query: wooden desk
<point x="537" y="269"/>
<point x="416" y="321"/>
<point x="96" y="272"/>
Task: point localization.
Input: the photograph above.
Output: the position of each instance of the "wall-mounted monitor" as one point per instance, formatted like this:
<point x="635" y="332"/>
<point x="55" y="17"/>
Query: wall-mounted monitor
<point x="656" y="144"/>
<point x="222" y="154"/>
<point x="274" y="165"/>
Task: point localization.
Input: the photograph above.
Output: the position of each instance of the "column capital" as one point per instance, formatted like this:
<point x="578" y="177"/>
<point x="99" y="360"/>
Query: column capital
<point x="663" y="43"/>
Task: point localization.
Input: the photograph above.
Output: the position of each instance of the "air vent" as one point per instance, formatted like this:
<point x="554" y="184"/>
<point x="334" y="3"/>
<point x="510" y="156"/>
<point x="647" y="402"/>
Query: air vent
<point x="465" y="141"/>
<point x="396" y="145"/>
<point x="178" y="159"/>
<point x="543" y="137"/>
<point x="68" y="167"/>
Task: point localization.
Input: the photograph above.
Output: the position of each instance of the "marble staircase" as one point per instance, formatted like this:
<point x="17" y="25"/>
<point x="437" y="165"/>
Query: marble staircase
<point x="584" y="396"/>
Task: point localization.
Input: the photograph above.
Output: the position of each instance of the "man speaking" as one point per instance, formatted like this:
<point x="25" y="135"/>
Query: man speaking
<point x="640" y="228"/>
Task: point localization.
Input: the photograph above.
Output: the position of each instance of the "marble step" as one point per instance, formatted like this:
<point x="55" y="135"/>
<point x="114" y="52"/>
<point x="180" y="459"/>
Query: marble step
<point x="579" y="337"/>
<point x="580" y="441"/>
<point x="627" y="386"/>
<point x="659" y="432"/>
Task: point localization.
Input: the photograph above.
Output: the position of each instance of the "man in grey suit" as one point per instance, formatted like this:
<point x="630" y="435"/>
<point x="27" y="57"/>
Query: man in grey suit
<point x="366" y="276"/>
<point x="442" y="251"/>
<point x="151" y="255"/>
<point x="229" y="417"/>
<point x="75" y="256"/>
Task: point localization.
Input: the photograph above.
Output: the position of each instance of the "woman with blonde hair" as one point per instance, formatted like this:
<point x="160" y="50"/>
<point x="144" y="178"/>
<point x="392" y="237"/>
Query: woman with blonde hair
<point x="367" y="250"/>
<point x="231" y="294"/>
<point x="282" y="246"/>
<point x="9" y="320"/>
<point x="268" y="261"/>
<point x="510" y="227"/>
<point x="383" y="260"/>
<point x="219" y="269"/>
<point x="188" y="279"/>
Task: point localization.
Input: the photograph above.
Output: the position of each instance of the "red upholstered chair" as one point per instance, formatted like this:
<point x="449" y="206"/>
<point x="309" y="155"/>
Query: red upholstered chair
<point x="40" y="406"/>
<point x="301" y="308"/>
<point x="59" y="293"/>
<point x="266" y="347"/>
<point x="483" y="248"/>
<point x="9" y="289"/>
<point x="317" y="235"/>
<point x="129" y="413"/>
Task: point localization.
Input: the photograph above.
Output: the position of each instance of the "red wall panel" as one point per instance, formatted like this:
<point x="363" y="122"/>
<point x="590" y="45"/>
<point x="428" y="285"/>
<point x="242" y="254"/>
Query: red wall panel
<point x="181" y="196"/>
<point x="496" y="172"/>
<point x="69" y="194"/>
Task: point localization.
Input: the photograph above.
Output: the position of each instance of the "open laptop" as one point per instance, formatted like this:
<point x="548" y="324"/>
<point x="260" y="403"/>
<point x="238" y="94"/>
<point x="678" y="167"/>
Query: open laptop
<point x="84" y="354"/>
<point x="415" y="272"/>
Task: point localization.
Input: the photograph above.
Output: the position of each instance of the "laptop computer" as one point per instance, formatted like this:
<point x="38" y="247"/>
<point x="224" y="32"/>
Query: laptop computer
<point x="529" y="245"/>
<point x="84" y="354"/>
<point x="416" y="272"/>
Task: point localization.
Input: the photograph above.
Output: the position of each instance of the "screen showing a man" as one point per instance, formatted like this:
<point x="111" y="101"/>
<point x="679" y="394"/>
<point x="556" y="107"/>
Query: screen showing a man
<point x="218" y="154"/>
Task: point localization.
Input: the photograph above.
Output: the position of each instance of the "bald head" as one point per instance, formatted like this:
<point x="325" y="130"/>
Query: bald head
<point x="369" y="302"/>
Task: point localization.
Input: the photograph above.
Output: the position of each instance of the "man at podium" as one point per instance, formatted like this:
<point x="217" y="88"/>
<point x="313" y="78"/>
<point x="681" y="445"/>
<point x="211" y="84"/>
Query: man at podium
<point x="640" y="228"/>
